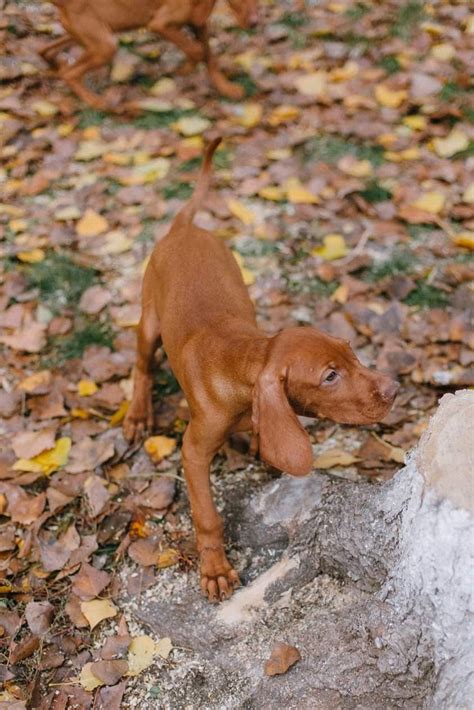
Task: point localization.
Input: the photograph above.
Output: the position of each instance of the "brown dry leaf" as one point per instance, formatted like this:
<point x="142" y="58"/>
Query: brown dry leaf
<point x="281" y="659"/>
<point x="97" y="494"/>
<point x="96" y="610"/>
<point x="144" y="552"/>
<point x="89" y="582"/>
<point x="30" y="339"/>
<point x="39" y="616"/>
<point x="38" y="383"/>
<point x="167" y="558"/>
<point x="10" y="622"/>
<point x="27" y="444"/>
<point x="24" y="649"/>
<point x="88" y="454"/>
<point x="334" y="457"/>
<point x="53" y="554"/>
<point x="110" y="698"/>
<point x="94" y="299"/>
<point x="109" y="672"/>
<point x="27" y="509"/>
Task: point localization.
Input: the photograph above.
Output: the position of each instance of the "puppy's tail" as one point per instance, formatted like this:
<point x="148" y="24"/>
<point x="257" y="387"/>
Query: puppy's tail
<point x="186" y="215"/>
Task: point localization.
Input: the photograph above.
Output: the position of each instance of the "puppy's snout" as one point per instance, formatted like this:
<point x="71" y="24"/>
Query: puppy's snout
<point x="389" y="390"/>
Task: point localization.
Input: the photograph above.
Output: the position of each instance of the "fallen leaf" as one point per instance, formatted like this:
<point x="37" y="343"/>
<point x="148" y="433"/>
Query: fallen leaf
<point x="167" y="558"/>
<point x="96" y="610"/>
<point x="141" y="653"/>
<point x="391" y="98"/>
<point x="281" y="659"/>
<point x="94" y="299"/>
<point x="334" y="457"/>
<point x="48" y="461"/>
<point x="109" y="672"/>
<point x="123" y="66"/>
<point x="87" y="679"/>
<point x="39" y="616"/>
<point x="53" y="554"/>
<point x="24" y="649"/>
<point x="27" y="444"/>
<point x="91" y="224"/>
<point x="248" y="115"/>
<point x="297" y="194"/>
<point x="89" y="453"/>
<point x="89" y="582"/>
<point x="314" y="84"/>
<point x="464" y="239"/>
<point x="30" y="339"/>
<point x="31" y="257"/>
<point x="272" y="192"/>
<point x="468" y="194"/>
<point x="247" y="276"/>
<point x="356" y="168"/>
<point x="97" y="494"/>
<point x="334" y="247"/>
<point x="27" y="509"/>
<point x="164" y="647"/>
<point x="454" y="143"/>
<point x="192" y="125"/>
<point x="432" y="202"/>
<point x="38" y="383"/>
<point x="159" y="447"/>
<point x="283" y="114"/>
<point x="241" y="211"/>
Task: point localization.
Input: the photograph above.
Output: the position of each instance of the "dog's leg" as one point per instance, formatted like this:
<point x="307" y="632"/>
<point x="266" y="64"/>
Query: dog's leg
<point x="202" y="439"/>
<point x="218" y="78"/>
<point x="51" y="50"/>
<point x="167" y="22"/>
<point x="139" y="417"/>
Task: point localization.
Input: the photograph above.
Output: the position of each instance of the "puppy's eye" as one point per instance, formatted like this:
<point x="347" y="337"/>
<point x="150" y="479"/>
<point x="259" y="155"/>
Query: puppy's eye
<point x="331" y="376"/>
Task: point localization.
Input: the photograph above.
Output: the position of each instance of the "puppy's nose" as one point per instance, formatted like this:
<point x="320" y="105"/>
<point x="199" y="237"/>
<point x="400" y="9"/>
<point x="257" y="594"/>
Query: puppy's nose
<point x="389" y="389"/>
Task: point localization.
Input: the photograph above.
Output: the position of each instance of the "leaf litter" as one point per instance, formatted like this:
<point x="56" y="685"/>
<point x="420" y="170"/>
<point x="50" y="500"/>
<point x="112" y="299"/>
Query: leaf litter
<point x="344" y="189"/>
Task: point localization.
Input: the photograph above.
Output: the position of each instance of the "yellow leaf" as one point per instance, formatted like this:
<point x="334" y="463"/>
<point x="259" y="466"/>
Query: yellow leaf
<point x="65" y="129"/>
<point x="78" y="413"/>
<point x="297" y="194"/>
<point x="97" y="610"/>
<point x="116" y="158"/>
<point x="241" y="211"/>
<point x="90" y="149"/>
<point x="192" y="125"/>
<point x="116" y="242"/>
<point x="356" y="168"/>
<point x="334" y="457"/>
<point x="44" y="108"/>
<point x="155" y="105"/>
<point x="314" y="84"/>
<point x="167" y="558"/>
<point x="141" y="653"/>
<point x="415" y="122"/>
<point x="407" y="154"/>
<point x="278" y="154"/>
<point x="348" y="71"/>
<point x="87" y="679"/>
<point x="444" y="52"/>
<point x="159" y="447"/>
<point x="119" y="415"/>
<point x="18" y="225"/>
<point x="455" y="142"/>
<point x="164" y="647"/>
<point x="86" y="387"/>
<point x="65" y="214"/>
<point x="163" y="86"/>
<point x="464" y="239"/>
<point x="148" y="172"/>
<point x="123" y="66"/>
<point x="334" y="247"/>
<point x="249" y="115"/>
<point x="432" y="202"/>
<point x="247" y="276"/>
<point x="283" y="114"/>
<point x="48" y="461"/>
<point x="341" y="294"/>
<point x="272" y="192"/>
<point x="390" y="97"/>
<point x="91" y="224"/>
<point x="31" y="257"/>
<point x="470" y="25"/>
<point x="468" y="194"/>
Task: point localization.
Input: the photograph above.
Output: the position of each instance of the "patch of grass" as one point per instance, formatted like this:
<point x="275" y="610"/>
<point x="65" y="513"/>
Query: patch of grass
<point x="60" y="280"/>
<point x="256" y="247"/>
<point x="178" y="190"/>
<point x="400" y="262"/>
<point x="148" y="231"/>
<point x="143" y="80"/>
<point x="223" y="158"/>
<point x="246" y="82"/>
<point x="408" y="17"/>
<point x="293" y="20"/>
<point x="75" y="344"/>
<point x="450" y="91"/>
<point x="357" y="12"/>
<point x="390" y="64"/>
<point x="427" y="296"/>
<point x="160" y="119"/>
<point x="190" y="165"/>
<point x="298" y="39"/>
<point x="91" y="117"/>
<point x="165" y="383"/>
<point x="314" y="286"/>
<point x="330" y="149"/>
<point x="374" y="192"/>
<point x="465" y="153"/>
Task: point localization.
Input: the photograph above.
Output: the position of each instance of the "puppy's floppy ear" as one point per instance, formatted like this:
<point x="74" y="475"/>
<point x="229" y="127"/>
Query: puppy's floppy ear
<point x="283" y="442"/>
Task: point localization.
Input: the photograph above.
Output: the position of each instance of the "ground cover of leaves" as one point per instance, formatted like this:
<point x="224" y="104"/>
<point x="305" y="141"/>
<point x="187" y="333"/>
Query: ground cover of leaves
<point x="344" y="186"/>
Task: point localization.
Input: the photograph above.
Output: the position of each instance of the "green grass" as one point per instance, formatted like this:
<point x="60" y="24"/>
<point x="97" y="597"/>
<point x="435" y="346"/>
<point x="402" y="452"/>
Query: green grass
<point x="160" y="119"/>
<point x="190" y="165"/>
<point x="330" y="149"/>
<point x="255" y="247"/>
<point x="357" y="11"/>
<point x="246" y="82"/>
<point x="427" y="296"/>
<point x="400" y="262"/>
<point x="314" y="286"/>
<point x="165" y="383"/>
<point x="223" y="158"/>
<point x="74" y="345"/>
<point x="408" y="17"/>
<point x="293" y="20"/>
<point x="178" y="190"/>
<point x="60" y="280"/>
<point x="390" y="64"/>
<point x="374" y="192"/>
<point x="91" y="117"/>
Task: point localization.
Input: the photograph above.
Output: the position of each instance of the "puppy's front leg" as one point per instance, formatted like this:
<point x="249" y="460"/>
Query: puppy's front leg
<point x="202" y="440"/>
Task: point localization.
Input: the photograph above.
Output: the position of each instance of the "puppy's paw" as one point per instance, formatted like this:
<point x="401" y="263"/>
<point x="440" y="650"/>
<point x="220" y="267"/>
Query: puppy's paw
<point x="218" y="578"/>
<point x="137" y="424"/>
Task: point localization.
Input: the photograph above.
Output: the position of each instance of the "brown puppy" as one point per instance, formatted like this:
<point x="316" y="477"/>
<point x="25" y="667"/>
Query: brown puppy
<point x="92" y="24"/>
<point x="235" y="377"/>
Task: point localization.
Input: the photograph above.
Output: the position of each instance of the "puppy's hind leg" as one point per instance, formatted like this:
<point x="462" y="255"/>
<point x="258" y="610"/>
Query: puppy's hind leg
<point x="139" y="418"/>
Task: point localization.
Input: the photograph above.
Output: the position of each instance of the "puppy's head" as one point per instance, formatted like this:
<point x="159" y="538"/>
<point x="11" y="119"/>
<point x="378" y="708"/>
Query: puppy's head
<point x="245" y="12"/>
<point x="315" y="375"/>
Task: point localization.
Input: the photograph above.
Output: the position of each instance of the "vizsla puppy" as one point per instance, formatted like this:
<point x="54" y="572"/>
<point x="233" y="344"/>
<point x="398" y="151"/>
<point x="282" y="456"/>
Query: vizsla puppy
<point x="235" y="377"/>
<point x="92" y="24"/>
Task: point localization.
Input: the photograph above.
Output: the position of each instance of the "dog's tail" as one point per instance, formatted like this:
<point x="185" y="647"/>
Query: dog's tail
<point x="186" y="215"/>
